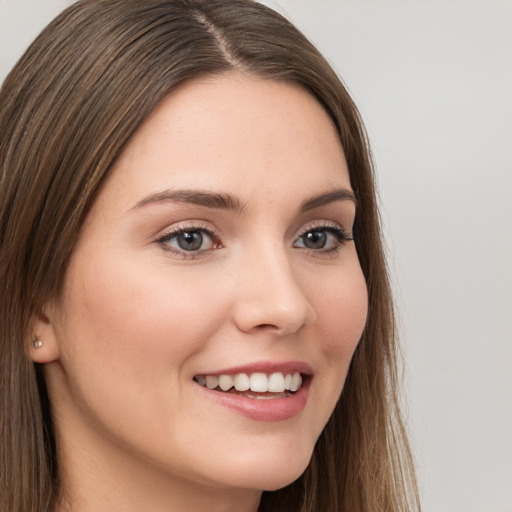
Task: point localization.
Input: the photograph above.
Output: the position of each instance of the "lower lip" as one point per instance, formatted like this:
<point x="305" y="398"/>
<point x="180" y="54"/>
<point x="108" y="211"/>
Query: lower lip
<point x="271" y="409"/>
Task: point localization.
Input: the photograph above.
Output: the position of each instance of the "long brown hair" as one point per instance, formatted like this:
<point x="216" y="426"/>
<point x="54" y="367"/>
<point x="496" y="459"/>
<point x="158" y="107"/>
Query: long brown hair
<point x="66" y="111"/>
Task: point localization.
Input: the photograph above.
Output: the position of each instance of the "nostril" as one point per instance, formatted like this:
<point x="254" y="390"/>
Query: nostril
<point x="267" y="326"/>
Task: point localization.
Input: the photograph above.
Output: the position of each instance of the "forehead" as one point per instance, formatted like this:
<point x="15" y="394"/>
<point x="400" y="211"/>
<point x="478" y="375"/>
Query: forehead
<point x="237" y="133"/>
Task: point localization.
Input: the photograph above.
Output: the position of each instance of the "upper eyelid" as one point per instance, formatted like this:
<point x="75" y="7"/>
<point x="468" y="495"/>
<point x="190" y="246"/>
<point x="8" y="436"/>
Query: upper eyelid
<point x="186" y="226"/>
<point x="322" y="224"/>
<point x="319" y="224"/>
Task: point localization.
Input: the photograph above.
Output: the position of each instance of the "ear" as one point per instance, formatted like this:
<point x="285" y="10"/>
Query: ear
<point x="42" y="347"/>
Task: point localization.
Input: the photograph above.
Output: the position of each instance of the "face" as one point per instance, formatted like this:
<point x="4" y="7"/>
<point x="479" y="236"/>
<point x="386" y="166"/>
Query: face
<point x="215" y="298"/>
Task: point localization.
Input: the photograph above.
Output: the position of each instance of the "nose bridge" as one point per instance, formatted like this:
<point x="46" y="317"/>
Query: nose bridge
<point x="269" y="293"/>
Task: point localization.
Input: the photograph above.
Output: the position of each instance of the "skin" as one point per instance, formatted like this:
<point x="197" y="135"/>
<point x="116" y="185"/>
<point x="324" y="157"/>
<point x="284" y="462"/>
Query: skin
<point x="139" y="317"/>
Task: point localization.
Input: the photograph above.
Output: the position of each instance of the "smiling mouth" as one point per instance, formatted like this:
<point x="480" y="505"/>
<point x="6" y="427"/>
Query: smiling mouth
<point x="256" y="385"/>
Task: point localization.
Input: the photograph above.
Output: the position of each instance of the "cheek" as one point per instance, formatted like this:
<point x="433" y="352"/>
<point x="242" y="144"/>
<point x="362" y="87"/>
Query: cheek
<point x="152" y="314"/>
<point x="342" y="311"/>
<point x="341" y="306"/>
<point x="129" y="337"/>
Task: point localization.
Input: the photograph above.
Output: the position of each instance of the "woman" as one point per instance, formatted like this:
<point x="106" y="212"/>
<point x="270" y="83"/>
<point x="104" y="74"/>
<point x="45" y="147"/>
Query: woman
<point x="192" y="272"/>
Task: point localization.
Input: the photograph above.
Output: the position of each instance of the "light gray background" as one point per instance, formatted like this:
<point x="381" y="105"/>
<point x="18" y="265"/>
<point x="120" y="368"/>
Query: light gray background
<point x="433" y="80"/>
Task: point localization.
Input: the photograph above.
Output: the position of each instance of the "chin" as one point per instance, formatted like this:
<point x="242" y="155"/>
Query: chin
<point x="277" y="482"/>
<point x="272" y="474"/>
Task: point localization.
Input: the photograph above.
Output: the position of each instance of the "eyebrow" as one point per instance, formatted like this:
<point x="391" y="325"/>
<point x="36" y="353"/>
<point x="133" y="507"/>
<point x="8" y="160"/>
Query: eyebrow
<point x="197" y="197"/>
<point x="229" y="202"/>
<point x="339" y="194"/>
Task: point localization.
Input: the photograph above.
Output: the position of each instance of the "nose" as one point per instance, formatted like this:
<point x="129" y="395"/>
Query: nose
<point x="269" y="297"/>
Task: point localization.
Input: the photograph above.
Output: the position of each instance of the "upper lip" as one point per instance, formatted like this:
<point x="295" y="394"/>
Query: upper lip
<point x="265" y="367"/>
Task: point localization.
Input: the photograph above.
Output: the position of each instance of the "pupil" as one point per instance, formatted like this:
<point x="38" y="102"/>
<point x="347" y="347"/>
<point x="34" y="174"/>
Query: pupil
<point x="315" y="240"/>
<point x="190" y="240"/>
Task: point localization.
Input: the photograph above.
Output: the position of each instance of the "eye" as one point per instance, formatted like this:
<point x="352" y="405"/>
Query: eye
<point x="323" y="238"/>
<point x="189" y="240"/>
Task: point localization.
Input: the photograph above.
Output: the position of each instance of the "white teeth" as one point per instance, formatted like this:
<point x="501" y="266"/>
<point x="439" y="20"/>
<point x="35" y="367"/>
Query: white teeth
<point x="276" y="383"/>
<point x="259" y="382"/>
<point x="296" y="382"/>
<point x="226" y="382"/>
<point x="242" y="382"/>
<point x="211" y="381"/>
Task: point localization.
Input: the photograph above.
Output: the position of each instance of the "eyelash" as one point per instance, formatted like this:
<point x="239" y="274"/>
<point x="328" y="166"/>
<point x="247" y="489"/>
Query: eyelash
<point x="341" y="236"/>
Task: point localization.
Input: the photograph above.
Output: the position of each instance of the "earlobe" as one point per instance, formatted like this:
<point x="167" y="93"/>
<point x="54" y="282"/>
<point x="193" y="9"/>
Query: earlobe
<point x="42" y="347"/>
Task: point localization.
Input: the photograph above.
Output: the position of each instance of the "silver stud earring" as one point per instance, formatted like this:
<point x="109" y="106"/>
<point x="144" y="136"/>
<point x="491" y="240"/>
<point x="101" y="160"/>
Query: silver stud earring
<point x="36" y="343"/>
